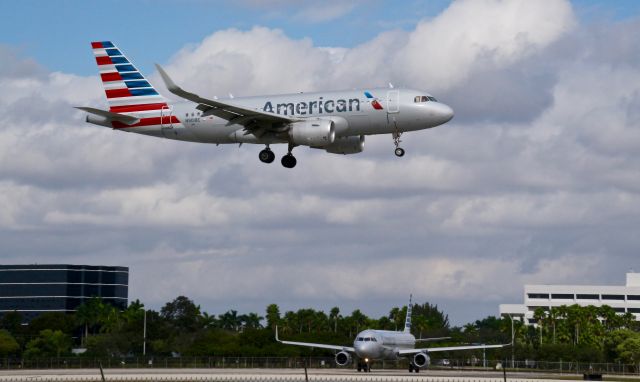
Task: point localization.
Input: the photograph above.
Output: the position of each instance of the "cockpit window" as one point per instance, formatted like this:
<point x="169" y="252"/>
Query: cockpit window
<point x="418" y="99"/>
<point x="360" y="339"/>
<point x="367" y="339"/>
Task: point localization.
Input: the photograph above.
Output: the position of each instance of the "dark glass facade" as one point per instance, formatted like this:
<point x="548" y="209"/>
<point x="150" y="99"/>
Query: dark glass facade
<point x="34" y="289"/>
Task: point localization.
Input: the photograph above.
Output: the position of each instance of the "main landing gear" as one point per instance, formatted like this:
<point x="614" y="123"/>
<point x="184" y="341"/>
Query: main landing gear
<point x="288" y="161"/>
<point x="266" y="155"/>
<point x="413" y="367"/>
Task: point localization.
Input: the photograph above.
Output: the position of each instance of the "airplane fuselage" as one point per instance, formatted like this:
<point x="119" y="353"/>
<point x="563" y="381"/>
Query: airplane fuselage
<point x="382" y="344"/>
<point x="335" y="121"/>
<point x="353" y="113"/>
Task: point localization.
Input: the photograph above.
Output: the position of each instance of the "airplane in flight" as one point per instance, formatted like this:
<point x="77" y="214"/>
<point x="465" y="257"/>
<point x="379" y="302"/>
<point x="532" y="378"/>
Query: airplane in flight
<point x="375" y="345"/>
<point x="334" y="121"/>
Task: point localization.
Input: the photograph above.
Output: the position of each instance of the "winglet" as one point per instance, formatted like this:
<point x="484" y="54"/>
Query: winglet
<point x="277" y="339"/>
<point x="167" y="80"/>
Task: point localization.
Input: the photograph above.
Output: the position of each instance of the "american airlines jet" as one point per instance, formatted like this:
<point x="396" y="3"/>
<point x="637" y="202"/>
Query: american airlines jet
<point x="335" y="121"/>
<point x="373" y="345"/>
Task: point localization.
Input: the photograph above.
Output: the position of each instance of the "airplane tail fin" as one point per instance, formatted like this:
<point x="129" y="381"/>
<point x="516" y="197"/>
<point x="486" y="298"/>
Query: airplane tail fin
<point x="407" y="322"/>
<point x="126" y="88"/>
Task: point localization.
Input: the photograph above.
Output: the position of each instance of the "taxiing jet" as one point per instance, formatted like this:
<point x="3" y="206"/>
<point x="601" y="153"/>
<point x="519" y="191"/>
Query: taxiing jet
<point x="373" y="345"/>
<point x="334" y="121"/>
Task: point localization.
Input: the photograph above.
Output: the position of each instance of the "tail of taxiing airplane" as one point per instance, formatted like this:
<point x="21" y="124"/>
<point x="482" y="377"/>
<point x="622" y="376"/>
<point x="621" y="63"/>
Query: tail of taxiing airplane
<point x="407" y="322"/>
<point x="132" y="99"/>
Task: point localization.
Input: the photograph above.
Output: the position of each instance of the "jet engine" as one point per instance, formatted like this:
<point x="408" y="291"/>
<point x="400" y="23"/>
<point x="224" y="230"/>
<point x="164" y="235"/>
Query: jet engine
<point x="346" y="145"/>
<point x="315" y="132"/>
<point x="421" y="360"/>
<point x="343" y="358"/>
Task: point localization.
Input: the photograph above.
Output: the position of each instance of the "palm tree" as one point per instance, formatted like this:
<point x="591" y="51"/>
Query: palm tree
<point x="230" y="320"/>
<point x="334" y="314"/>
<point x="359" y="319"/>
<point x="209" y="321"/>
<point x="90" y="314"/>
<point x="273" y="316"/>
<point x="251" y="321"/>
<point x="394" y="315"/>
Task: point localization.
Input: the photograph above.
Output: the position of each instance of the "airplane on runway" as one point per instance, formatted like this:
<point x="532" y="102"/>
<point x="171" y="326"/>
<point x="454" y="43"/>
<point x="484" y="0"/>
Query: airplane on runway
<point x="334" y="121"/>
<point x="372" y="345"/>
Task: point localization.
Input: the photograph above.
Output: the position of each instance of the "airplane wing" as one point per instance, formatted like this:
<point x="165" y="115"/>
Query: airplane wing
<point x="449" y="348"/>
<point x="312" y="345"/>
<point x="252" y="120"/>
<point x="432" y="339"/>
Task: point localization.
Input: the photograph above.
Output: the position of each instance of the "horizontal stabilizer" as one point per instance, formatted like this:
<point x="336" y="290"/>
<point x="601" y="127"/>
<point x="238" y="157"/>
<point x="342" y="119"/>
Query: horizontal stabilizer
<point x="111" y="116"/>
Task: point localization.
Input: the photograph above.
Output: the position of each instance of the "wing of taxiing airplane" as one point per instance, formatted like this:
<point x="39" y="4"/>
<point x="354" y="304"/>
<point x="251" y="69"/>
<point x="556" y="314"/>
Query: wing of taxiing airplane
<point x="254" y="121"/>
<point x="448" y="348"/>
<point x="312" y="345"/>
<point x="432" y="339"/>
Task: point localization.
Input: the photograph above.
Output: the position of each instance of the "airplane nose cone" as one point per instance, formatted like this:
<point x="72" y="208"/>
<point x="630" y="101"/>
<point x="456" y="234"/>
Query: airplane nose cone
<point x="445" y="113"/>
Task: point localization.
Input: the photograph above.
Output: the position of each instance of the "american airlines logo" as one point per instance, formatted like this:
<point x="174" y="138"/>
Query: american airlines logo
<point x="320" y="106"/>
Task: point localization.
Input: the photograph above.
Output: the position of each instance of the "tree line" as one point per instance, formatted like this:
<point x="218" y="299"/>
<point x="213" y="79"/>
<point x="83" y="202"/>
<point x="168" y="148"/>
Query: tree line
<point x="569" y="333"/>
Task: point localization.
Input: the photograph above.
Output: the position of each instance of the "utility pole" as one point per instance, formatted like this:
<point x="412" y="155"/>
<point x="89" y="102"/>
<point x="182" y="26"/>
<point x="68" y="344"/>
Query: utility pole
<point x="144" y="334"/>
<point x="513" y="354"/>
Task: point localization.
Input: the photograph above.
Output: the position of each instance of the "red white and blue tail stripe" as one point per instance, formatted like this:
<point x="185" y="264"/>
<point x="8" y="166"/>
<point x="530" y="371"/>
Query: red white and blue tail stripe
<point x="127" y="91"/>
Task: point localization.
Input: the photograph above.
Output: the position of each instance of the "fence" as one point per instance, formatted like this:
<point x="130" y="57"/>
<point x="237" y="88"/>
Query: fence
<point x="79" y="362"/>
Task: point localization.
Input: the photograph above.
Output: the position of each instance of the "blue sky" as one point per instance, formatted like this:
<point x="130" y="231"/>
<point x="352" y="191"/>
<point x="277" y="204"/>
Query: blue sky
<point x="57" y="33"/>
<point x="515" y="189"/>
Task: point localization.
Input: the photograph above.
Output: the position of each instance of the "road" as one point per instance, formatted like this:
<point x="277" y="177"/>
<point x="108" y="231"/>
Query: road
<point x="271" y="375"/>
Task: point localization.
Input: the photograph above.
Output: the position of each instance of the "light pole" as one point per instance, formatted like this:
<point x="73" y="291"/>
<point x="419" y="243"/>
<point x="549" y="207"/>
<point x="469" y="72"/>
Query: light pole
<point x="144" y="334"/>
<point x="513" y="357"/>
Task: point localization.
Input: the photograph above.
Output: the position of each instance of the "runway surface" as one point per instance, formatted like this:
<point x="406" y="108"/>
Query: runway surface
<point x="273" y="375"/>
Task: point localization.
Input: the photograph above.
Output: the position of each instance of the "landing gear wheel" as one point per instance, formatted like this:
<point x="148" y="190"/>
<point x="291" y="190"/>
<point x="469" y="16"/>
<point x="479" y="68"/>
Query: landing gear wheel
<point x="399" y="152"/>
<point x="289" y="161"/>
<point x="266" y="156"/>
<point x="359" y="367"/>
<point x="417" y="369"/>
<point x="410" y="368"/>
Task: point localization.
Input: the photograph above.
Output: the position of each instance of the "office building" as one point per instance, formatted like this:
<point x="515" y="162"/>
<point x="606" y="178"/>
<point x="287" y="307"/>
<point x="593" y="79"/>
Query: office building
<point x="623" y="299"/>
<point x="34" y="289"/>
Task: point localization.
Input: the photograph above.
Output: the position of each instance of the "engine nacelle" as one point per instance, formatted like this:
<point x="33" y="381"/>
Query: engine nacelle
<point x="346" y="145"/>
<point x="315" y="132"/>
<point x="421" y="360"/>
<point x="343" y="358"/>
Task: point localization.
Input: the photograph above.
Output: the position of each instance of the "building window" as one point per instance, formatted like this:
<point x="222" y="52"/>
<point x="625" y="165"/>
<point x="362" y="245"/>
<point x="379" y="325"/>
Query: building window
<point x="538" y="295"/>
<point x="633" y="297"/>
<point x="588" y="296"/>
<point x="533" y="308"/>
<point x="562" y="296"/>
<point x="618" y="310"/>
<point x="532" y="321"/>
<point x="619" y="297"/>
<point x="633" y="310"/>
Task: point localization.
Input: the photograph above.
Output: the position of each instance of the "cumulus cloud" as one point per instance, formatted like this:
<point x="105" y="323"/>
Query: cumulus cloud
<point x="538" y="172"/>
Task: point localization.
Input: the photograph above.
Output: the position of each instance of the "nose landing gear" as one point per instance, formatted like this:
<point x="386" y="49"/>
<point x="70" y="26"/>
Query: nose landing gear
<point x="364" y="366"/>
<point x="399" y="151"/>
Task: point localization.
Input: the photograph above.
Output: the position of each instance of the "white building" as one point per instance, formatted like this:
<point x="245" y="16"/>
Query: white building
<point x="621" y="298"/>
